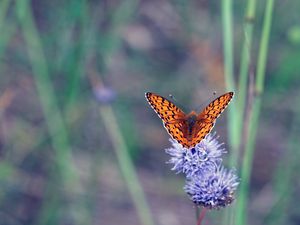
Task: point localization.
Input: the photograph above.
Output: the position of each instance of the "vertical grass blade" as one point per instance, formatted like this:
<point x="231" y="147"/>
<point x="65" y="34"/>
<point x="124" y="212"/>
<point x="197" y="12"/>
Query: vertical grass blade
<point x="227" y="18"/>
<point x="233" y="132"/>
<point x="80" y="48"/>
<point x="254" y="115"/>
<point x="63" y="176"/>
<point x="228" y="43"/>
<point x="242" y="91"/>
<point x="244" y="65"/>
<point x="45" y="91"/>
<point x="126" y="166"/>
<point x="109" y="42"/>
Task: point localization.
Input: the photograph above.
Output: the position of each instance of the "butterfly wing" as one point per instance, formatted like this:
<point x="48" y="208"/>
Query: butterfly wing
<point x="201" y="129"/>
<point x="216" y="107"/>
<point x="174" y="119"/>
<point x="207" y="118"/>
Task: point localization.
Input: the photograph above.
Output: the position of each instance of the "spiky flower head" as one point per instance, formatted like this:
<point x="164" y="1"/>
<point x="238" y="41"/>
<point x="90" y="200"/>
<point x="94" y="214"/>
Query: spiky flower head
<point x="203" y="158"/>
<point x="213" y="190"/>
<point x="208" y="183"/>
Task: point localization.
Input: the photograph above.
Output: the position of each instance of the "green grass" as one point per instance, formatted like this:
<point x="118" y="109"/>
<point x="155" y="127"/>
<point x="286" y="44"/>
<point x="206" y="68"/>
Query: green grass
<point x="254" y="114"/>
<point x="49" y="49"/>
<point x="246" y="91"/>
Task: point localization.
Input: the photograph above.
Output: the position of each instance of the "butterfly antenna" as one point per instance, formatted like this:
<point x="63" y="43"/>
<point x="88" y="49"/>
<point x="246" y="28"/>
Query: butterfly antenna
<point x="172" y="97"/>
<point x="174" y="100"/>
<point x="207" y="101"/>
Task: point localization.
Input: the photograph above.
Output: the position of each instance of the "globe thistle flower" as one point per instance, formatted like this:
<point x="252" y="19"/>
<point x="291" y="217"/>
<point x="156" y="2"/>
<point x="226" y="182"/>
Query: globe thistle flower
<point x="212" y="190"/>
<point x="203" y="158"/>
<point x="104" y="95"/>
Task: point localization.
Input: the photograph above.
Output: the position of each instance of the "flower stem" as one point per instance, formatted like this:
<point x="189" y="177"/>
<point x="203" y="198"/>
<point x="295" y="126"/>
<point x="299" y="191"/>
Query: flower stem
<point x="245" y="64"/>
<point x="63" y="171"/>
<point x="201" y="216"/>
<point x="244" y="71"/>
<point x="254" y="116"/>
<point x="125" y="163"/>
<point x="227" y="16"/>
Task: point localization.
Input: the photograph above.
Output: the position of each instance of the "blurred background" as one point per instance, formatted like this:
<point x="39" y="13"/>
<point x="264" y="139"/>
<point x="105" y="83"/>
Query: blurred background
<point x="79" y="144"/>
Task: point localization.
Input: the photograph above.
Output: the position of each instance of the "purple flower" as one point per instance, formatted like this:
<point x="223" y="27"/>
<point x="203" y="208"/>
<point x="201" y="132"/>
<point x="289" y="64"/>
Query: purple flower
<point x="213" y="190"/>
<point x="103" y="94"/>
<point x="204" y="157"/>
<point x="208" y="183"/>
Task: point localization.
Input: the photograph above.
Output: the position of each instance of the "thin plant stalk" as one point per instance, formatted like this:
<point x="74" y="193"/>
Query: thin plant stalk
<point x="45" y="91"/>
<point x="122" y="15"/>
<point x="201" y="216"/>
<point x="241" y="91"/>
<point x="78" y="65"/>
<point x="254" y="116"/>
<point x="244" y="70"/>
<point x="228" y="43"/>
<point x="126" y="165"/>
<point x="227" y="18"/>
<point x="53" y="117"/>
<point x="228" y="67"/>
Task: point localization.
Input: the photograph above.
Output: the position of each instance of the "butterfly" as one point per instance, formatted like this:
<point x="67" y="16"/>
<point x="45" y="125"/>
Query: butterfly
<point x="188" y="129"/>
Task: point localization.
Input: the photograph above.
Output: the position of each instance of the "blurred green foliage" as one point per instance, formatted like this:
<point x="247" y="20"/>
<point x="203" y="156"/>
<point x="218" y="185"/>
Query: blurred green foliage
<point x="80" y="145"/>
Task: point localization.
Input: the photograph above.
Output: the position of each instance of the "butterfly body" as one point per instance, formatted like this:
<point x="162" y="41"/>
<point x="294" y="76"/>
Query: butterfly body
<point x="191" y="121"/>
<point x="188" y="129"/>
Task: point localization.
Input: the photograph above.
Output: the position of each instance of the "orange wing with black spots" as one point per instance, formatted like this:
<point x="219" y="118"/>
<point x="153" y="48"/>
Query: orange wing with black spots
<point x="201" y="130"/>
<point x="216" y="107"/>
<point x="207" y="118"/>
<point x="189" y="129"/>
<point x="173" y="117"/>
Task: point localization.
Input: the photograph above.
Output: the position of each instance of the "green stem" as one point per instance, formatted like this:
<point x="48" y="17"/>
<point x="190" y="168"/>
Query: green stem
<point x="109" y="42"/>
<point x="66" y="176"/>
<point x="244" y="69"/>
<point x="126" y="165"/>
<point x="264" y="44"/>
<point x="228" y="46"/>
<point x="228" y="72"/>
<point x="254" y="116"/>
<point x="79" y="54"/>
<point x="241" y="93"/>
<point x="227" y="17"/>
<point x="45" y="91"/>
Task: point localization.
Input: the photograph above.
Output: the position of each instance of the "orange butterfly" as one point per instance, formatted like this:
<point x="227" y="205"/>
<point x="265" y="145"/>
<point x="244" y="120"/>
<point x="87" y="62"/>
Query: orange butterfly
<point x="188" y="129"/>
